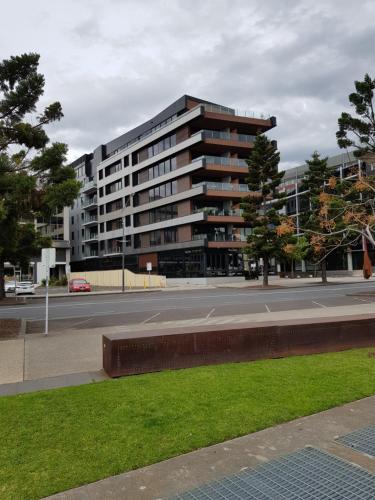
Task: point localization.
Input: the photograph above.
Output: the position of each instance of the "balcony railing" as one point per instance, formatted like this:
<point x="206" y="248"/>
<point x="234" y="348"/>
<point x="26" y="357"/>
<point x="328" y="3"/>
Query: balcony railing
<point x="91" y="218"/>
<point x="90" y="237"/>
<point x="89" y="183"/>
<point x="219" y="237"/>
<point x="227" y="136"/>
<point x="222" y="160"/>
<point x="223" y="186"/>
<point x="90" y="201"/>
<point x="92" y="253"/>
<point x="215" y="108"/>
<point x="217" y="211"/>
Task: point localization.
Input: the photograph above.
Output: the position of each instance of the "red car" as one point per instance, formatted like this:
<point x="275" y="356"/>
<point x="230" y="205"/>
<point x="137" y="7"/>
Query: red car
<point x="79" y="285"/>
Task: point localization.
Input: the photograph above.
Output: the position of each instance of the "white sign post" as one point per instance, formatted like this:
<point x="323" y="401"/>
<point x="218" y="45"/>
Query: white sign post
<point x="48" y="261"/>
<point x="149" y="269"/>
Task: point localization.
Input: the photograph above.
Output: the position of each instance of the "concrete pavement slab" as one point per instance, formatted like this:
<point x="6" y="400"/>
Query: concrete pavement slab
<point x="171" y="477"/>
<point x="68" y="380"/>
<point x="52" y="355"/>
<point x="11" y="360"/>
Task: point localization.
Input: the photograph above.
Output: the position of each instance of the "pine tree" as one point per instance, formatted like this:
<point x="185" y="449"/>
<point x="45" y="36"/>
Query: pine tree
<point x="34" y="181"/>
<point x="359" y="132"/>
<point x="318" y="222"/>
<point x="261" y="207"/>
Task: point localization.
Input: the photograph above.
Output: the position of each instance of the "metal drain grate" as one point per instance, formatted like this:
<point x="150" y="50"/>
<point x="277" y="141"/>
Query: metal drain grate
<point x="362" y="440"/>
<point x="309" y="474"/>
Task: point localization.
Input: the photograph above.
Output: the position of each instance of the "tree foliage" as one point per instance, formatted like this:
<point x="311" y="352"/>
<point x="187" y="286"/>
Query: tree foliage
<point x="34" y="180"/>
<point x="359" y="131"/>
<point x="262" y="205"/>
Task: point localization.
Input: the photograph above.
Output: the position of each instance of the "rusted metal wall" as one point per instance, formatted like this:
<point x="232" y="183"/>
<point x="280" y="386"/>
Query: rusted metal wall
<point x="142" y="352"/>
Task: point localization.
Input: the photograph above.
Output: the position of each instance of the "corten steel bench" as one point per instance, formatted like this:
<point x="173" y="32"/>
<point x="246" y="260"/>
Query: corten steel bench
<point x="142" y="352"/>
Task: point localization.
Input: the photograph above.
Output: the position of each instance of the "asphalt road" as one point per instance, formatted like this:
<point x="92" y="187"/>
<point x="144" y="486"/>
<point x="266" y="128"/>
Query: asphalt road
<point x="85" y="311"/>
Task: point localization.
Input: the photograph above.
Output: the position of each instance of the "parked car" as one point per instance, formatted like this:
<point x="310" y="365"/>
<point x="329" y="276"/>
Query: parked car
<point x="25" y="287"/>
<point x="79" y="285"/>
<point x="9" y="286"/>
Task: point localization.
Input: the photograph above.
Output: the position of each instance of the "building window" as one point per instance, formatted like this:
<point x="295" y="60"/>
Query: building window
<point x="155" y="238"/>
<point x="82" y="233"/>
<point x="160" y="146"/>
<point x="114" y="205"/>
<point x="101" y="209"/>
<point x="72" y="250"/>
<point x="162" y="191"/>
<point x="82" y="215"/>
<point x="100" y="174"/>
<point x="170" y="235"/>
<point x="100" y="192"/>
<point x="72" y="219"/>
<point x="126" y="161"/>
<point x="112" y="169"/>
<point x="113" y="187"/>
<point x="126" y="181"/>
<point x="163" y="213"/>
<point x="114" y="224"/>
<point x="72" y="235"/>
<point x="101" y="227"/>
<point x="83" y="249"/>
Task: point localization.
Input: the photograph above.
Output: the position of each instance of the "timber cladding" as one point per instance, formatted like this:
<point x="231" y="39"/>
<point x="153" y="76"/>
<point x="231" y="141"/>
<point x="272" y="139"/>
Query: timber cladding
<point x="157" y="350"/>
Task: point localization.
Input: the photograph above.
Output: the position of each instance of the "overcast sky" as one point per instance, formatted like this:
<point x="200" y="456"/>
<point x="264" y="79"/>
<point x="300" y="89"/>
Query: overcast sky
<point x="115" y="63"/>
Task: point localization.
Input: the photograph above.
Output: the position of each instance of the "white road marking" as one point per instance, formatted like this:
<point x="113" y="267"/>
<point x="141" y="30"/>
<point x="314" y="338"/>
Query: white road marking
<point x="268" y="309"/>
<point x="148" y="319"/>
<point x="362" y="300"/>
<point x="319" y="304"/>
<point x="209" y="314"/>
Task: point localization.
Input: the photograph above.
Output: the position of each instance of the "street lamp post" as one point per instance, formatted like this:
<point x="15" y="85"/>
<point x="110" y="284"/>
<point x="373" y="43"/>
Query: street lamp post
<point x="123" y="255"/>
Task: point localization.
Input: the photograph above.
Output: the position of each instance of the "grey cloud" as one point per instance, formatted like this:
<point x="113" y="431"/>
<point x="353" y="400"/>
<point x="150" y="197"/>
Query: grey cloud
<point x="114" y="64"/>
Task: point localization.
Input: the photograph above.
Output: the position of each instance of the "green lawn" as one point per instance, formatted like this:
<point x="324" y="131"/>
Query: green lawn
<point x="54" y="440"/>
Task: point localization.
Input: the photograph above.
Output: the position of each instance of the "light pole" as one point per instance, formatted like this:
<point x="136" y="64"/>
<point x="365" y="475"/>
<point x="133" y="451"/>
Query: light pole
<point x="123" y="255"/>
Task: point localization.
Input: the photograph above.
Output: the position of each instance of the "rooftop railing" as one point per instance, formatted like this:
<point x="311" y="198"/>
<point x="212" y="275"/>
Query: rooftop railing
<point x="215" y="108"/>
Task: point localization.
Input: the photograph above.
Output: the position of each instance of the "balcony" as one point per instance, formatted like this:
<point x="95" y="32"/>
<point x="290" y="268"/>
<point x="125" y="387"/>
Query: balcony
<point x="220" y="240"/>
<point x="222" y="161"/>
<point x="219" y="212"/>
<point x="89" y="185"/>
<point x="215" y="108"/>
<point x="90" y="202"/>
<point x="91" y="253"/>
<point x="228" y="136"/>
<point x="223" y="186"/>
<point x="91" y="220"/>
<point x="90" y="238"/>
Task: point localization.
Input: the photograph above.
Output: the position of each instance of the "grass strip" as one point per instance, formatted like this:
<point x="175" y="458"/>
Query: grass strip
<point x="54" y="440"/>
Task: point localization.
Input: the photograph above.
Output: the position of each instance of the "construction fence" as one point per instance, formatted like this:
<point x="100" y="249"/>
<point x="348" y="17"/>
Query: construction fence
<point x="114" y="279"/>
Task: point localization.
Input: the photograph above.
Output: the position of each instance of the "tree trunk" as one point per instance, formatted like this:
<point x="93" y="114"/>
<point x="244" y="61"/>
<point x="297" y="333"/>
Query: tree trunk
<point x="2" y="289"/>
<point x="324" y="271"/>
<point x="292" y="268"/>
<point x="265" y="271"/>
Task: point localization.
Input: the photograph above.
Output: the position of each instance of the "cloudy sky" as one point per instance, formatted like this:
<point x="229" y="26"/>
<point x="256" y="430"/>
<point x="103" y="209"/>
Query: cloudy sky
<point x="114" y="63"/>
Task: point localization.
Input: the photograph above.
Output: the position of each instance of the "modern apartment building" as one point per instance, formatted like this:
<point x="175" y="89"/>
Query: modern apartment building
<point x="57" y="228"/>
<point x="171" y="189"/>
<point x="343" y="166"/>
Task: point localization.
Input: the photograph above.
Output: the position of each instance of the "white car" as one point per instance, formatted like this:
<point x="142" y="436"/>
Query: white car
<point x="25" y="287"/>
<point x="9" y="286"/>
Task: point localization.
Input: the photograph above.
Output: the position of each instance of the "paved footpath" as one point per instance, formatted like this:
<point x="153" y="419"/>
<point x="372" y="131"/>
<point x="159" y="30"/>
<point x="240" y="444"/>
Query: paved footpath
<point x="37" y="357"/>
<point x="176" y="475"/>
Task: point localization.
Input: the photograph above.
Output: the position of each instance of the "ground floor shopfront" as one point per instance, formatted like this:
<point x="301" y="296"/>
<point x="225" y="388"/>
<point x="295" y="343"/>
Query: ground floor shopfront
<point x="209" y="262"/>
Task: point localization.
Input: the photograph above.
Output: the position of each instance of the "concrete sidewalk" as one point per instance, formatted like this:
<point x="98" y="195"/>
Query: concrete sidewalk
<point x="176" y="475"/>
<point x="37" y="357"/>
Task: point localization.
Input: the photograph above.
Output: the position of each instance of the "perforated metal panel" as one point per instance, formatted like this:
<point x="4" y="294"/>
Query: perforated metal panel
<point x="362" y="440"/>
<point x="309" y="474"/>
